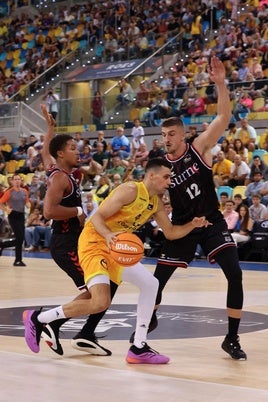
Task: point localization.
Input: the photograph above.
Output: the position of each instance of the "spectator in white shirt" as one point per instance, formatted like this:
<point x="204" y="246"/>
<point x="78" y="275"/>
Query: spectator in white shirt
<point x="137" y="134"/>
<point x="257" y="211"/>
<point x="239" y="172"/>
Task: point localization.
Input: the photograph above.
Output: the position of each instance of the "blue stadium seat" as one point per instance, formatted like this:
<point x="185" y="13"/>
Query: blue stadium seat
<point x="259" y="152"/>
<point x="31" y="44"/>
<point x="226" y="189"/>
<point x="9" y="63"/>
<point x="3" y="56"/>
<point x="83" y="44"/>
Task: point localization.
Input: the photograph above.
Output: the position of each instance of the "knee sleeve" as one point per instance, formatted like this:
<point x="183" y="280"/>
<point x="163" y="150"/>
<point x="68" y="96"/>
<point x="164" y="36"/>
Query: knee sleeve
<point x="229" y="263"/>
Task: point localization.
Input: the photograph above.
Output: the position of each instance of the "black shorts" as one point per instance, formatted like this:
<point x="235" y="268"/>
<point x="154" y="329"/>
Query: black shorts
<point x="212" y="239"/>
<point x="63" y="250"/>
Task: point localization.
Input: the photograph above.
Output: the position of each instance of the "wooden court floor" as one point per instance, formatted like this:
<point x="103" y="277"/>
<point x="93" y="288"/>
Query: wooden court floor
<point x="198" y="369"/>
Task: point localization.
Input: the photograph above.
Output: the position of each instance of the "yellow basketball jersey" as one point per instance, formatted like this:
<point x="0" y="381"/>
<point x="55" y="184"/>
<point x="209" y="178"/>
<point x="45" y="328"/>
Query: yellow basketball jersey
<point x="94" y="255"/>
<point x="132" y="216"/>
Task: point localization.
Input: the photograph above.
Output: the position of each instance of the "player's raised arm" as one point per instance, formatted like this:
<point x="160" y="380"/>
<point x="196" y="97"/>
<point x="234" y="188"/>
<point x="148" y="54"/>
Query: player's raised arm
<point x="47" y="158"/>
<point x="206" y="140"/>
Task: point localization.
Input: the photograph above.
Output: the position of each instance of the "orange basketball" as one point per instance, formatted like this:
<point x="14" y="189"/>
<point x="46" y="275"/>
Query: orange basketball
<point x="128" y="249"/>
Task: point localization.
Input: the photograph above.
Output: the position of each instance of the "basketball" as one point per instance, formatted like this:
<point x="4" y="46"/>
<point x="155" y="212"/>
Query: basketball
<point x="128" y="249"/>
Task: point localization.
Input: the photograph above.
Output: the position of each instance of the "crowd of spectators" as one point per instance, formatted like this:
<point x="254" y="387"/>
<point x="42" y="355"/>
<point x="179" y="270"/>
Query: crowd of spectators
<point x="235" y="31"/>
<point x="107" y="163"/>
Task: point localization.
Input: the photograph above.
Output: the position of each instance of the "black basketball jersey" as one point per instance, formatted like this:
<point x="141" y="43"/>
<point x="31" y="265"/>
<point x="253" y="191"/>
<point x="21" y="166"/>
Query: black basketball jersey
<point x="73" y="199"/>
<point x="192" y="191"/>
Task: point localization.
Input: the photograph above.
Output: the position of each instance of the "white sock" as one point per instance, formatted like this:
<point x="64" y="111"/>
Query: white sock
<point x="51" y="315"/>
<point x="139" y="276"/>
<point x="140" y="335"/>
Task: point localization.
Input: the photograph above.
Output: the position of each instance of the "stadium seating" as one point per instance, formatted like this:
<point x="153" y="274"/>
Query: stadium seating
<point x="258" y="104"/>
<point x="265" y="158"/>
<point x="239" y="190"/>
<point x="226" y="189"/>
<point x="258" y="152"/>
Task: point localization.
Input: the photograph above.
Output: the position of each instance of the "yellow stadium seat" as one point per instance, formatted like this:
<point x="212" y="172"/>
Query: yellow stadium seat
<point x="142" y="112"/>
<point x="16" y="53"/>
<point x="21" y="163"/>
<point x="212" y="43"/>
<point x="30" y="36"/>
<point x="239" y="190"/>
<point x="9" y="55"/>
<point x="23" y="90"/>
<point x="8" y="72"/>
<point x="3" y="180"/>
<point x="262" y="139"/>
<point x="265" y="158"/>
<point x="73" y="45"/>
<point x="258" y="104"/>
<point x="160" y="41"/>
<point x="134" y="114"/>
<point x="23" y="176"/>
<point x="202" y="91"/>
<point x="51" y="33"/>
<point x="3" y="64"/>
<point x="28" y="178"/>
<point x="57" y="31"/>
<point x="16" y="62"/>
<point x="11" y="166"/>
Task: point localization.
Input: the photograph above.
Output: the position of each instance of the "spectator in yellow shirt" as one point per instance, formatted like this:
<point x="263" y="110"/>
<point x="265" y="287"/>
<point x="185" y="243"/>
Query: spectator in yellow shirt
<point x="6" y="149"/>
<point x="221" y="170"/>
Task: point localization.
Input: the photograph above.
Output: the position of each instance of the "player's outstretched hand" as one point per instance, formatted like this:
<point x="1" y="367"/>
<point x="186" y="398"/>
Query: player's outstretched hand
<point x="216" y="70"/>
<point x="200" y="222"/>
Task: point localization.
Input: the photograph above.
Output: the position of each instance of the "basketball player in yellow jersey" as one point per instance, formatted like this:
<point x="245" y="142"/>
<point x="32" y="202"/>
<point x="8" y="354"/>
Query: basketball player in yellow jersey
<point x="127" y="208"/>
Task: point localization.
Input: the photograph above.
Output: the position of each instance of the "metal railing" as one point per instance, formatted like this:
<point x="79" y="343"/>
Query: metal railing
<point x="53" y="75"/>
<point x="48" y="78"/>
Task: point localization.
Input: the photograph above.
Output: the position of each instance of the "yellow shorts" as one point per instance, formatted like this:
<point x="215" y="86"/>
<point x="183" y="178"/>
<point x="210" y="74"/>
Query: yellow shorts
<point x="94" y="256"/>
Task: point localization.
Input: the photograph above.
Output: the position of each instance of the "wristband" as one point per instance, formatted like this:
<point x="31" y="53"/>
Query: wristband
<point x="79" y="211"/>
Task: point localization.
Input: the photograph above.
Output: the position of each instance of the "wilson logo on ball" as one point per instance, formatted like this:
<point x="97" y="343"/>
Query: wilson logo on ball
<point x="120" y="246"/>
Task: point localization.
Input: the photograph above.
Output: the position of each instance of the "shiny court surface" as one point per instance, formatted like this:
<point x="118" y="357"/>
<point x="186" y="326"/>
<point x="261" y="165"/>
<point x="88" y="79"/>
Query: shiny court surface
<point x="192" y="325"/>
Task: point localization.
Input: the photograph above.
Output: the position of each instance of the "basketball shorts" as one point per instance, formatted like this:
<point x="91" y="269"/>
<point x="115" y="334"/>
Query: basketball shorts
<point x="95" y="258"/>
<point x="63" y="250"/>
<point x="180" y="252"/>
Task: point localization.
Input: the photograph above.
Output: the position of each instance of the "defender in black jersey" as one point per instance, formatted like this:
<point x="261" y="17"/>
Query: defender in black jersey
<point x="65" y="232"/>
<point x="63" y="205"/>
<point x="192" y="193"/>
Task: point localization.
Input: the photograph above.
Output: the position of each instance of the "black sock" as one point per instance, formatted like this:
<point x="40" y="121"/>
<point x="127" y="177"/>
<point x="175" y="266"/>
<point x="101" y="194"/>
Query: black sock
<point x="153" y="318"/>
<point x="233" y="327"/>
<point x="55" y="325"/>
